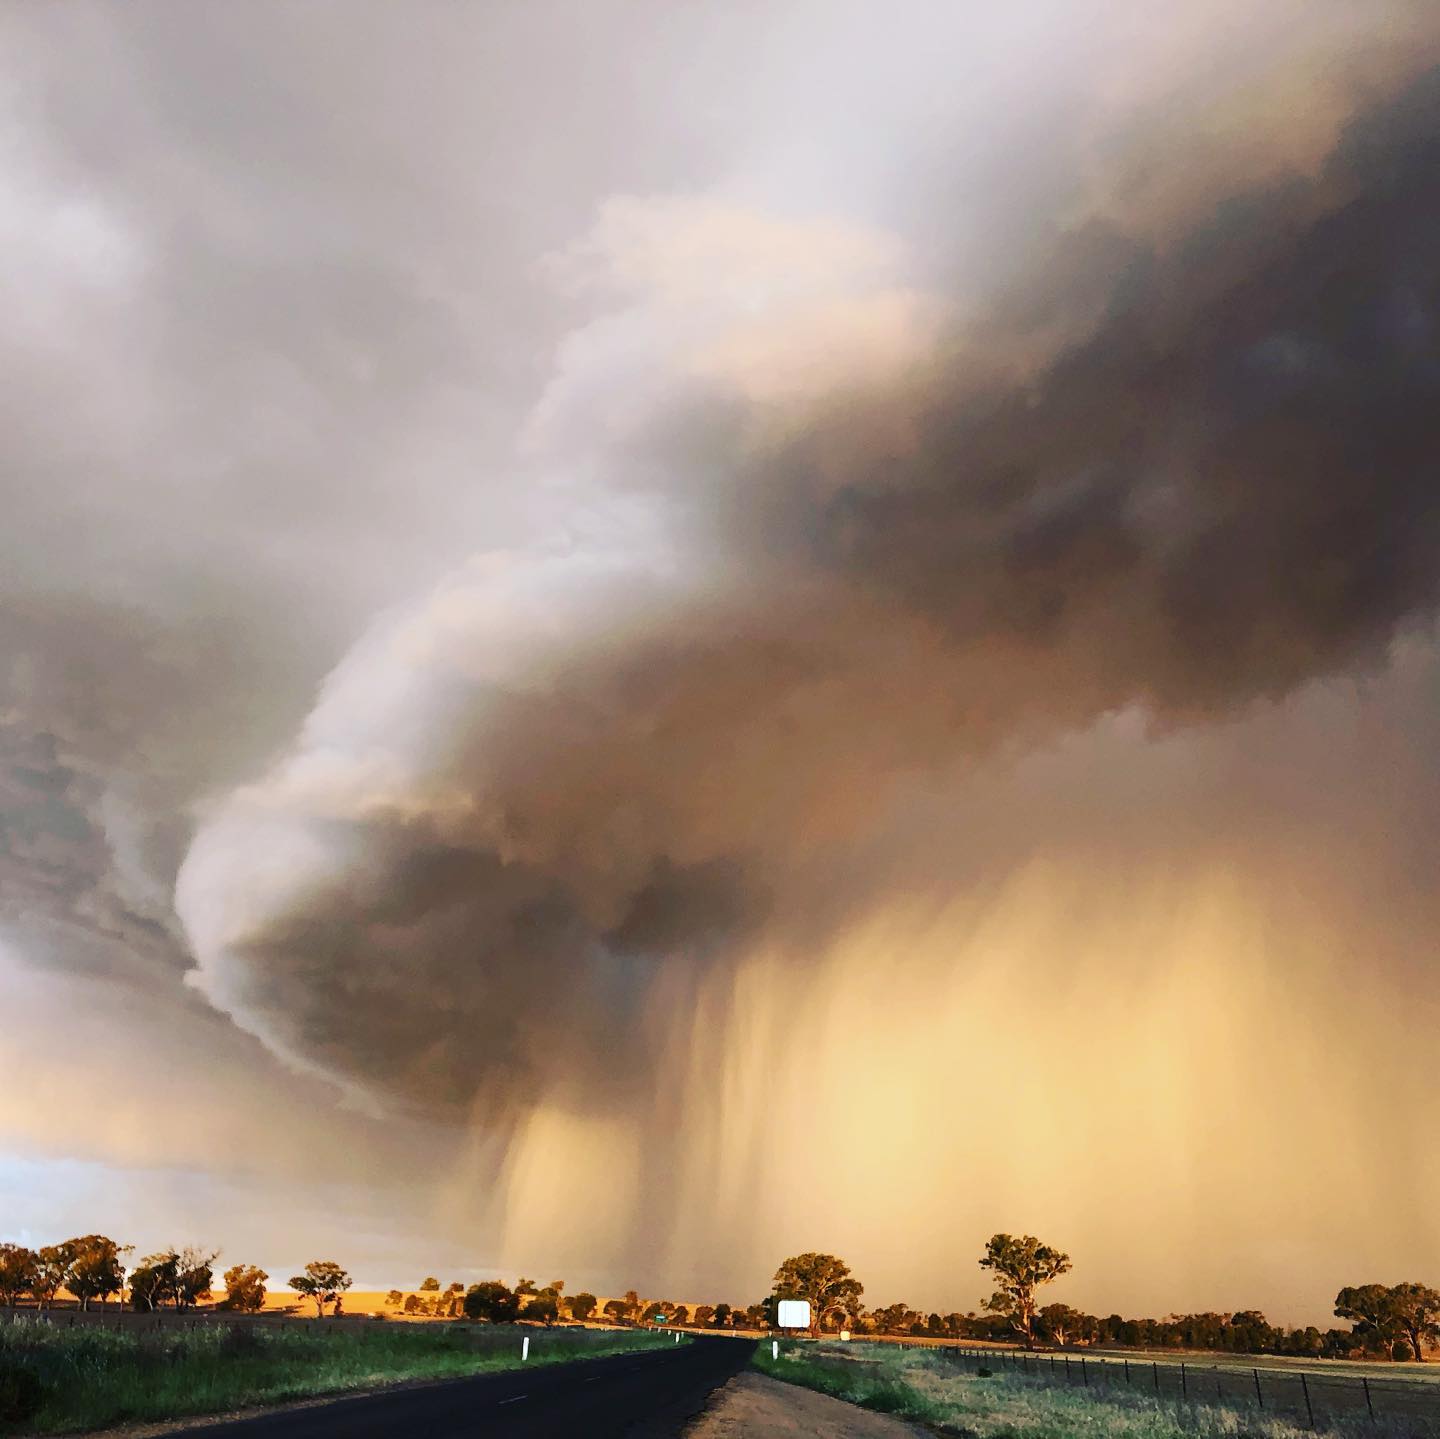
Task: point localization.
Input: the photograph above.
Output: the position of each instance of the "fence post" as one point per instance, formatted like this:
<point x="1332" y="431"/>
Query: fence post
<point x="1127" y="1370"/>
<point x="1366" y="1382"/>
<point x="1305" y="1385"/>
<point x="1067" y="1368"/>
<point x="1084" y="1373"/>
<point x="1259" y="1393"/>
<point x="1155" y="1370"/>
<point x="1184" y="1386"/>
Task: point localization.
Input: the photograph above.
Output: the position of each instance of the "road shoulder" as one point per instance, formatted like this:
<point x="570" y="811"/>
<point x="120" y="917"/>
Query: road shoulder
<point x="753" y="1406"/>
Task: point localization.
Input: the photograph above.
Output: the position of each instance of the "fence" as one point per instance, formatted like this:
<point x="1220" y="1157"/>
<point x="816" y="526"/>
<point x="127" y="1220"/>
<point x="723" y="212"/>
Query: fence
<point x="1312" y="1397"/>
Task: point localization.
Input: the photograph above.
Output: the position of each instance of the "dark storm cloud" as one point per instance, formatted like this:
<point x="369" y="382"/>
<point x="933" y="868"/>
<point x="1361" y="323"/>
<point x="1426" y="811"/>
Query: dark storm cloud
<point x="1220" y="489"/>
<point x="1226" y="490"/>
<point x="263" y="347"/>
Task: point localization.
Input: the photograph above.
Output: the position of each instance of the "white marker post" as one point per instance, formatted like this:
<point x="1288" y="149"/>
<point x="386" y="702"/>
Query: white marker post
<point x="524" y="1348"/>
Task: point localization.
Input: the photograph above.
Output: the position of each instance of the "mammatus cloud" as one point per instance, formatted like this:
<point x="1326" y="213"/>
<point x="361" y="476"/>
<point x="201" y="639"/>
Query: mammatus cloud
<point x="523" y="800"/>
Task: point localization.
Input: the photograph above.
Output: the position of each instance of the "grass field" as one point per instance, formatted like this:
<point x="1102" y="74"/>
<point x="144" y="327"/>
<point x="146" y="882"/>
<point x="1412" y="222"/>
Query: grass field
<point x="927" y="1386"/>
<point x="64" y="1380"/>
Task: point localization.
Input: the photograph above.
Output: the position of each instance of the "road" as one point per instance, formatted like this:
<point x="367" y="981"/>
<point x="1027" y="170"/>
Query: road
<point x="626" y="1396"/>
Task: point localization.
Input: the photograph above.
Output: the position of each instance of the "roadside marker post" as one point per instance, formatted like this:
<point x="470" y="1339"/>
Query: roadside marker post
<point x="774" y="1348"/>
<point x="524" y="1348"/>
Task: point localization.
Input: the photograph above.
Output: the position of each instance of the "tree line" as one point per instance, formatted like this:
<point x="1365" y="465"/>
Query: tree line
<point x="94" y="1267"/>
<point x="1399" y="1321"/>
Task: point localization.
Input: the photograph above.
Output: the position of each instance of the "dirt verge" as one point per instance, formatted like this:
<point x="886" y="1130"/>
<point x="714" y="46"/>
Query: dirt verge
<point x="752" y="1406"/>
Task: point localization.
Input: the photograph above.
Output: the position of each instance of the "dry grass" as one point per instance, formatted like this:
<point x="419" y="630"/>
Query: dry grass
<point x="926" y="1386"/>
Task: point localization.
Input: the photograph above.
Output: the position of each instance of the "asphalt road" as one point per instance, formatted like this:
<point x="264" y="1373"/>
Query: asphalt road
<point x="626" y="1396"/>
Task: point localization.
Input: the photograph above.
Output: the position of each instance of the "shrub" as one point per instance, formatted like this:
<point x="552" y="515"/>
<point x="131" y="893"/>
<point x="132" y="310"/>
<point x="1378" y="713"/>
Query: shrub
<point x="240" y="1341"/>
<point x="20" y="1392"/>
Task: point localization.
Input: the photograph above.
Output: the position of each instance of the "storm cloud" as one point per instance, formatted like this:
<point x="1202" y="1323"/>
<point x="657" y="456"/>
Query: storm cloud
<point x="555" y="778"/>
<point x="623" y="596"/>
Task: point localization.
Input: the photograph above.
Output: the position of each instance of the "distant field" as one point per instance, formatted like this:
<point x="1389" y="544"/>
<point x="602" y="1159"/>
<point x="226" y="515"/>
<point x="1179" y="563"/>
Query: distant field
<point x="1380" y="1370"/>
<point x="57" y="1379"/>
<point x="991" y="1401"/>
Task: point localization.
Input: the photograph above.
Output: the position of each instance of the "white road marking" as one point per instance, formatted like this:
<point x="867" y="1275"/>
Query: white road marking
<point x="516" y="1399"/>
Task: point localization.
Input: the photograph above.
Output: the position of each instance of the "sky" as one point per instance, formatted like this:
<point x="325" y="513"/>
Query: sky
<point x="636" y="638"/>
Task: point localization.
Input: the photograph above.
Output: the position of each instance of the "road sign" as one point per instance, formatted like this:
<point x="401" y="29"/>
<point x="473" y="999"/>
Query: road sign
<point x="793" y="1314"/>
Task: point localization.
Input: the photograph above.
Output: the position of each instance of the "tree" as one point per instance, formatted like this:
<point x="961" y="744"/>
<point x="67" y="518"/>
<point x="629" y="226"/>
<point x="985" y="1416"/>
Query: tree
<point x="1417" y="1312"/>
<point x="1249" y="1332"/>
<point x="893" y="1318"/>
<point x="412" y="1303"/>
<point x="1020" y="1266"/>
<point x="525" y="1286"/>
<point x="1370" y="1311"/>
<point x="543" y="1308"/>
<point x="96" y="1270"/>
<point x="705" y="1314"/>
<point x="1060" y="1324"/>
<point x="181" y="1276"/>
<point x="822" y="1279"/>
<point x="722" y="1315"/>
<point x="323" y="1281"/>
<point x="429" y="1285"/>
<point x="1383" y="1314"/>
<point x="19" y="1267"/>
<point x="194" y="1274"/>
<point x="52" y="1264"/>
<point x="618" y="1310"/>
<point x="245" y="1288"/>
<point x="394" y="1298"/>
<point x="491" y="1302"/>
<point x="153" y="1280"/>
<point x="582" y="1305"/>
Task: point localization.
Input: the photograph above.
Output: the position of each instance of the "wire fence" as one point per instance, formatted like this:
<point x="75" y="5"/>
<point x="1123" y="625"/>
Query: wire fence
<point x="1316" y="1399"/>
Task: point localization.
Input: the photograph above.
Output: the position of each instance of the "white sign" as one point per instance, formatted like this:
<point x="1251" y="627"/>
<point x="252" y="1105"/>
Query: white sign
<point x="793" y="1314"/>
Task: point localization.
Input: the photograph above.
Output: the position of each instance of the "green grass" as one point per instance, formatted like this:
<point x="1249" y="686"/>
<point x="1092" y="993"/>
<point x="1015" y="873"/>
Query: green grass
<point x="926" y="1386"/>
<point x="66" y="1380"/>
